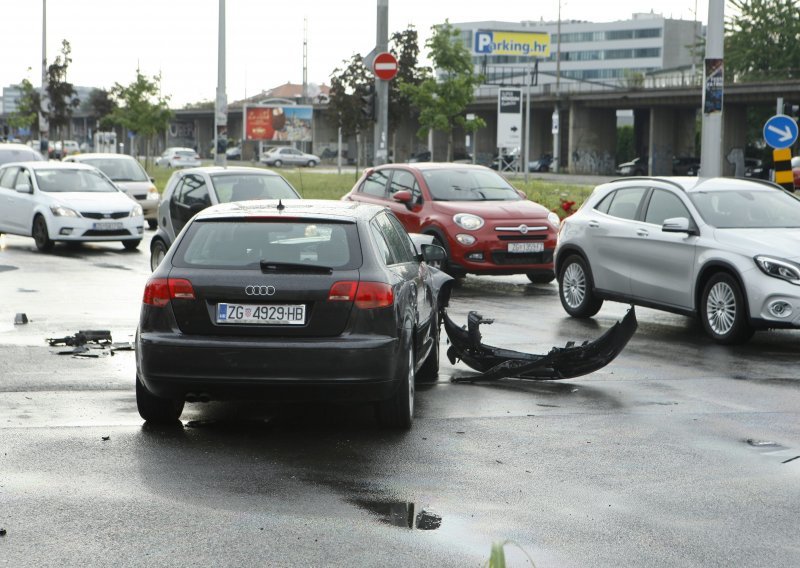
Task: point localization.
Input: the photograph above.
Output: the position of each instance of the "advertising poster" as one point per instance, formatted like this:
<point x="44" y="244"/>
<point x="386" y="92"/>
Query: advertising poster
<point x="289" y="123"/>
<point x="509" y="118"/>
<point x="712" y="95"/>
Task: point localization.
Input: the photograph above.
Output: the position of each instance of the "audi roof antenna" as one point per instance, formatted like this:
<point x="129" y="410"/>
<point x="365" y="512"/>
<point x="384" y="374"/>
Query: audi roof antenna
<point x="281" y="206"/>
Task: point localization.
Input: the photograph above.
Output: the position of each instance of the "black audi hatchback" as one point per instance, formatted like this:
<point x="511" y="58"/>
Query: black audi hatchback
<point x="294" y="300"/>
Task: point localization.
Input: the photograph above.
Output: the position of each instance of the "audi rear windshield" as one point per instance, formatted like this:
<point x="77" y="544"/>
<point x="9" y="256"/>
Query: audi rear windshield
<point x="249" y="244"/>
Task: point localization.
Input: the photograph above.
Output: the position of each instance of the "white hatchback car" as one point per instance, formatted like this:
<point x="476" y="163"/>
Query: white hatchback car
<point x="56" y="201"/>
<point x="129" y="175"/>
<point x="178" y="158"/>
<point x="722" y="249"/>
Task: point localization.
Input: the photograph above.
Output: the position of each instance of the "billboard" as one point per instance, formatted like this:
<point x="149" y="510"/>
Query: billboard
<point x="278" y="122"/>
<point x="509" y="118"/>
<point x="525" y="44"/>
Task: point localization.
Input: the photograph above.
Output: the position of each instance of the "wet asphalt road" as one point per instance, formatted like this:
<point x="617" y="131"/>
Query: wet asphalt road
<point x="644" y="463"/>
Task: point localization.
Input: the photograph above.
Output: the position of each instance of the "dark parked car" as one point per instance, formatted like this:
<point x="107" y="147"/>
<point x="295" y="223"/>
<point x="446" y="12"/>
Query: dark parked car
<point x="192" y="190"/>
<point x="542" y="164"/>
<point x="290" y="300"/>
<point x="485" y="225"/>
<point x="636" y="167"/>
<point x="685" y="165"/>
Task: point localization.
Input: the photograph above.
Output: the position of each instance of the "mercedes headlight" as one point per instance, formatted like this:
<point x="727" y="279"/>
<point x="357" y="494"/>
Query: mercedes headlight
<point x="61" y="211"/>
<point x="136" y="211"/>
<point x="468" y="221"/>
<point x="779" y="268"/>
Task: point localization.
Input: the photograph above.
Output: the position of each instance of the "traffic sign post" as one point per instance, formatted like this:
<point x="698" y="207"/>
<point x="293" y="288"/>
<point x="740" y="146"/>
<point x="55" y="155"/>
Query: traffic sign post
<point x="385" y="66"/>
<point x="780" y="132"/>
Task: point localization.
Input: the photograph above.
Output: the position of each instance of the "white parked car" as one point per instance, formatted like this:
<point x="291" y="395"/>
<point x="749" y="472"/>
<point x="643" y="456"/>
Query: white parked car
<point x="178" y="158"/>
<point x="56" y="201"/>
<point x="190" y="191"/>
<point x="284" y="155"/>
<point x="128" y="175"/>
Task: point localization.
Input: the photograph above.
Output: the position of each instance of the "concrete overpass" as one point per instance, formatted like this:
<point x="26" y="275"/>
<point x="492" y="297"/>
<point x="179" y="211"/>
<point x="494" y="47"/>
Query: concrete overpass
<point x="665" y="123"/>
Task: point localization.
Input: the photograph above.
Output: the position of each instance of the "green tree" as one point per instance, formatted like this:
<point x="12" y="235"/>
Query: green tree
<point x="100" y="105"/>
<point x="200" y="105"/>
<point x="405" y="47"/>
<point x="348" y="84"/>
<point x="62" y="98"/>
<point x="761" y="38"/>
<point x="28" y="105"/>
<point x="141" y="108"/>
<point x="441" y="102"/>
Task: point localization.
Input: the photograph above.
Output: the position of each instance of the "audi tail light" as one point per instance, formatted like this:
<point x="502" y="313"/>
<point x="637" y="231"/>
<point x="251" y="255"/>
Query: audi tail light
<point x="366" y="295"/>
<point x="159" y="291"/>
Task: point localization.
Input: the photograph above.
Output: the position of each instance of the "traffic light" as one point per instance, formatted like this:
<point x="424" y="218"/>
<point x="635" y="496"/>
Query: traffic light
<point x="791" y="109"/>
<point x="368" y="103"/>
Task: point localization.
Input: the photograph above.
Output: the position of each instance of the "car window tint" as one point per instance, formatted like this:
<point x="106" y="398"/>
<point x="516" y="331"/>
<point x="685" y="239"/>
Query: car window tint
<point x="119" y="169"/>
<point x="7" y="177"/>
<point x="193" y="191"/>
<point x="469" y="185"/>
<point x="225" y="244"/>
<point x="605" y="203"/>
<point x="64" y="180"/>
<point x="411" y="250"/>
<point x="375" y="184"/>
<point x="380" y="242"/>
<point x="665" y="205"/>
<point x="403" y="180"/>
<point x="626" y="202"/>
<point x="397" y="245"/>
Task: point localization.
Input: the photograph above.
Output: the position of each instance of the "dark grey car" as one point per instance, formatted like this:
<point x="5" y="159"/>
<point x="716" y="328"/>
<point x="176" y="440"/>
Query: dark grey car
<point x="290" y="300"/>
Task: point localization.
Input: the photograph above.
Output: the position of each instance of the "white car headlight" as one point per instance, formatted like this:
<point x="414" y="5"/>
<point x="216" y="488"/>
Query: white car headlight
<point x="136" y="211"/>
<point x="468" y="221"/>
<point x="779" y="268"/>
<point x="554" y="219"/>
<point x="61" y="211"/>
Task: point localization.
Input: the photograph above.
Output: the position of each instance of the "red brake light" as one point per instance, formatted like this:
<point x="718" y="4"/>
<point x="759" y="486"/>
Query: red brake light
<point x="156" y="292"/>
<point x="159" y="291"/>
<point x="343" y="292"/>
<point x="374" y="295"/>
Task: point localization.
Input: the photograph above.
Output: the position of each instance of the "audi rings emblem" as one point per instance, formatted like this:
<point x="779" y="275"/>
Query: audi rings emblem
<point x="259" y="290"/>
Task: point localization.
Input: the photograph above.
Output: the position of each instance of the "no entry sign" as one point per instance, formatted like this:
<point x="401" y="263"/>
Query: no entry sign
<point x="385" y="66"/>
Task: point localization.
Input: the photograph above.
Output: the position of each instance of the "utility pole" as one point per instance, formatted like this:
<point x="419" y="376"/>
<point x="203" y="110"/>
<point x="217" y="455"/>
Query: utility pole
<point x="221" y="107"/>
<point x="44" y="123"/>
<point x="556" y="129"/>
<point x="713" y="79"/>
<point x="381" y="153"/>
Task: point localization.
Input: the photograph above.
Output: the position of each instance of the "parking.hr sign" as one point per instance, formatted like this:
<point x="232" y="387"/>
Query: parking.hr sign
<point x="525" y="44"/>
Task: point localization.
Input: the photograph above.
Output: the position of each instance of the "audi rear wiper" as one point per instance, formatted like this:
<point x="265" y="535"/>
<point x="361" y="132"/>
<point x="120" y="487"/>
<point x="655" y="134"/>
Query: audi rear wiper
<point x="272" y="266"/>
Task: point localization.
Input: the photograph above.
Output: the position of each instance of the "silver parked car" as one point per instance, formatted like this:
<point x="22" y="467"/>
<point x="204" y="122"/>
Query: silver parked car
<point x="284" y="155"/>
<point x="127" y="174"/>
<point x="178" y="157"/>
<point x="190" y="191"/>
<point x="722" y="249"/>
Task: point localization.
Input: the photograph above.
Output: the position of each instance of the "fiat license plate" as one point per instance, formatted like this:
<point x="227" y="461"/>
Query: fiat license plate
<point x="107" y="226"/>
<point x="525" y="247"/>
<point x="273" y="314"/>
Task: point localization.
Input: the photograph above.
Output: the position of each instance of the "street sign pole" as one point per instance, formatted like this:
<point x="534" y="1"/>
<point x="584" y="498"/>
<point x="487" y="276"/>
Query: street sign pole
<point x="711" y="136"/>
<point x="381" y="154"/>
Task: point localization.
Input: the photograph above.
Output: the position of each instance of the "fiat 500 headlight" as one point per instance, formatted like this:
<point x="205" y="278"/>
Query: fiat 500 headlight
<point x="468" y="221"/>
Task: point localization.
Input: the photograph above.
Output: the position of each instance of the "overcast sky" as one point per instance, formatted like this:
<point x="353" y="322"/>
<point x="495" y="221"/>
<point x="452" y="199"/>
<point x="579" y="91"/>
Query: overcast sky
<point x="178" y="38"/>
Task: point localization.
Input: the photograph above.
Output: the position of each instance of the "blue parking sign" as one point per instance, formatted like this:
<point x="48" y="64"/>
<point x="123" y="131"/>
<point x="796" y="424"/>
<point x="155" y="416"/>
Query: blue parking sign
<point x="780" y="131"/>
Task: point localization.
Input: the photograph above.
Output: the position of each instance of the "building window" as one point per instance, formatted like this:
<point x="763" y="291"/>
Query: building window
<point x="619" y="34"/>
<point x="650" y="32"/>
<point x="618" y="54"/>
<point x="647" y="52"/>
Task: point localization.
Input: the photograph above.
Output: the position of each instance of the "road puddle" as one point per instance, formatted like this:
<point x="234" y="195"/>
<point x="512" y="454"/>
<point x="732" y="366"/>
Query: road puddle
<point x="401" y="514"/>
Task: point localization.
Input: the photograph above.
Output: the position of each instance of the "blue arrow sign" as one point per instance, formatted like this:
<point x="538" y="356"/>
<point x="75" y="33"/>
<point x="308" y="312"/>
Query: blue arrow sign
<point x="780" y="131"/>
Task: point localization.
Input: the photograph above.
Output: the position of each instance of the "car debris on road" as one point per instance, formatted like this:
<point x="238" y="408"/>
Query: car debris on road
<point x="560" y="363"/>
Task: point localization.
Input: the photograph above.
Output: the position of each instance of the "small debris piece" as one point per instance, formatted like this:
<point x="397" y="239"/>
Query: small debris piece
<point x="761" y="443"/>
<point x="2" y="532"/>
<point x="427" y="520"/>
<point x="82" y="337"/>
<point x="460" y="432"/>
<point x="791" y="459"/>
<point x="20" y="319"/>
<point x="106" y="438"/>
